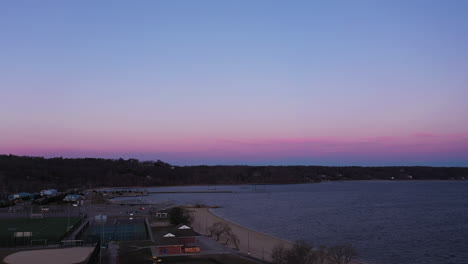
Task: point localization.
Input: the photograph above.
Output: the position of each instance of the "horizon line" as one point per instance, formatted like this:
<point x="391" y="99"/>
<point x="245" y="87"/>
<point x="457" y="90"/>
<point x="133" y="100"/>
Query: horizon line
<point x="215" y="165"/>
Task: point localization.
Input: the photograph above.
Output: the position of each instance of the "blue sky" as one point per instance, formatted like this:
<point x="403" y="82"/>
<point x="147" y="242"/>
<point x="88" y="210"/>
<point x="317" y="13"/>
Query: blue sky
<point x="182" y="80"/>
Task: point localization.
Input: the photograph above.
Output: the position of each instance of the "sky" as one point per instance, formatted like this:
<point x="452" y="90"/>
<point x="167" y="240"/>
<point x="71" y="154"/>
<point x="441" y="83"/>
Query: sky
<point x="368" y="83"/>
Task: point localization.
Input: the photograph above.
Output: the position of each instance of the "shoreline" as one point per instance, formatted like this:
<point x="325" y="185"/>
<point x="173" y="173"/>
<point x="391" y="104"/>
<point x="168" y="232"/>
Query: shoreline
<point x="252" y="243"/>
<point x="196" y="185"/>
<point x="292" y="183"/>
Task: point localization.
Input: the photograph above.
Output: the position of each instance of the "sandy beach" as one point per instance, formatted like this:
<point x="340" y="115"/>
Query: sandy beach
<point x="251" y="242"/>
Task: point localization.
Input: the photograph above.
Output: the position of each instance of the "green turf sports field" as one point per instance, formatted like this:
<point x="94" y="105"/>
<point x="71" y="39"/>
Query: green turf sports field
<point x="50" y="228"/>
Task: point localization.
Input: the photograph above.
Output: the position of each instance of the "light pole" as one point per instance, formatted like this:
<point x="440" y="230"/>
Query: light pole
<point x="206" y="224"/>
<point x="102" y="240"/>
<point x="248" y="242"/>
<point x="68" y="219"/>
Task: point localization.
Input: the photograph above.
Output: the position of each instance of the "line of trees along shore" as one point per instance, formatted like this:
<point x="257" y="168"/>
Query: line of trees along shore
<point x="22" y="173"/>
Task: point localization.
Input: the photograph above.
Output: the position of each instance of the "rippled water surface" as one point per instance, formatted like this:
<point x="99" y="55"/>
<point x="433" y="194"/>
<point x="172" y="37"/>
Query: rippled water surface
<point x="405" y="222"/>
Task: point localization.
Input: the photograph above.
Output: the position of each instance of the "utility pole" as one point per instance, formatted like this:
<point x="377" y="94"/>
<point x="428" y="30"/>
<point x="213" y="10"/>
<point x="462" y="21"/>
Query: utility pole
<point x="102" y="239"/>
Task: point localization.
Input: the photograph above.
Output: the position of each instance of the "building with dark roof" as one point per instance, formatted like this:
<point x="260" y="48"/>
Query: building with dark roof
<point x="185" y="234"/>
<point x="168" y="245"/>
<point x="74" y="198"/>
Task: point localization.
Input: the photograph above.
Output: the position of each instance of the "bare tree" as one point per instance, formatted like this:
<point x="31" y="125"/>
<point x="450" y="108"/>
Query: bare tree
<point x="218" y="229"/>
<point x="230" y="238"/>
<point x="322" y="255"/>
<point x="299" y="253"/>
<point x="226" y="236"/>
<point x="342" y="254"/>
<point x="279" y="255"/>
<point x="234" y="239"/>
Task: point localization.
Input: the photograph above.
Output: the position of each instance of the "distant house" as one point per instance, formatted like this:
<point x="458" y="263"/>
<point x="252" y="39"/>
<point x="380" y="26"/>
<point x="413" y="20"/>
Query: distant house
<point x="74" y="198"/>
<point x="168" y="245"/>
<point x="49" y="192"/>
<point x="162" y="214"/>
<point x="21" y="196"/>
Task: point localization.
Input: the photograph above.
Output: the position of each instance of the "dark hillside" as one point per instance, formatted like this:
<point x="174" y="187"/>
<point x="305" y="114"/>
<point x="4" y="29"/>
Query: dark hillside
<point x="36" y="173"/>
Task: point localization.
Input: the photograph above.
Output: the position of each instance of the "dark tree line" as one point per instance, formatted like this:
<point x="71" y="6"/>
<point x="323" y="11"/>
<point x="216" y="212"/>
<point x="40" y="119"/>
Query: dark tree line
<point x="35" y="173"/>
<point x="178" y="215"/>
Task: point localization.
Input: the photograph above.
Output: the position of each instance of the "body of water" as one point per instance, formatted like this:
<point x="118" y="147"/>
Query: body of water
<point x="404" y="222"/>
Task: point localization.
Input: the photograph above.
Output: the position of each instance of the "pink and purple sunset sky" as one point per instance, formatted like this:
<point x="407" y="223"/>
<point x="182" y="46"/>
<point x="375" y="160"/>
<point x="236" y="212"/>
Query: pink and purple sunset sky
<point x="368" y="83"/>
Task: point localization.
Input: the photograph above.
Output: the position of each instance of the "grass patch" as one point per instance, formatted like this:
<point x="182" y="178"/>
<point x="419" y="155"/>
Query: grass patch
<point x="135" y="252"/>
<point x="50" y="228"/>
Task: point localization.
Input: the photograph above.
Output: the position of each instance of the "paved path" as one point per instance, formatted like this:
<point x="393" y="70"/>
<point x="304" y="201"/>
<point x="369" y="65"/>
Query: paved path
<point x="154" y="252"/>
<point x="210" y="246"/>
<point x="113" y="253"/>
<point x="75" y="233"/>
